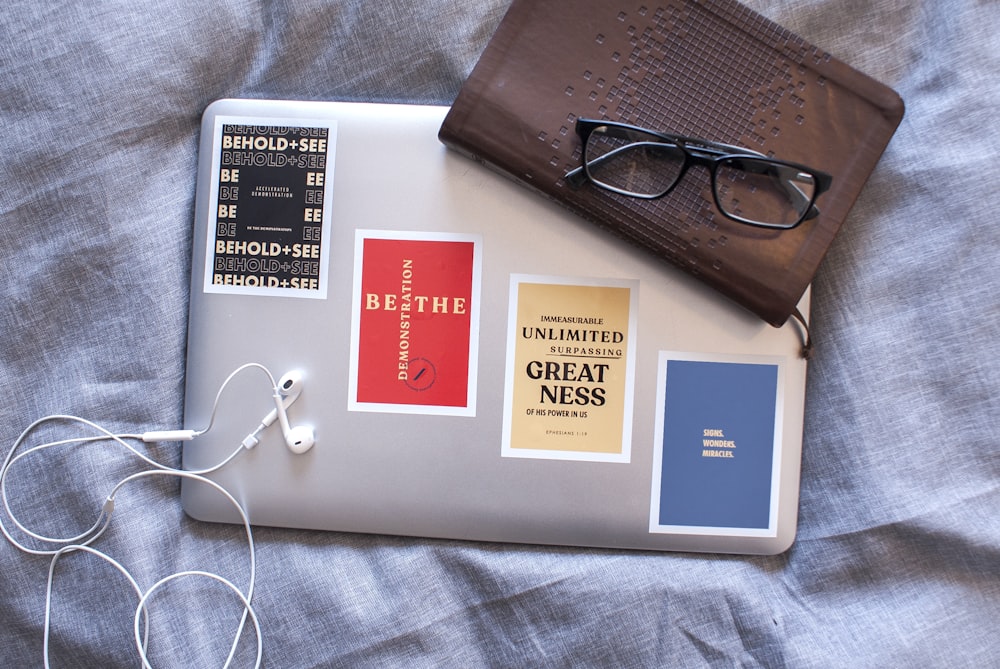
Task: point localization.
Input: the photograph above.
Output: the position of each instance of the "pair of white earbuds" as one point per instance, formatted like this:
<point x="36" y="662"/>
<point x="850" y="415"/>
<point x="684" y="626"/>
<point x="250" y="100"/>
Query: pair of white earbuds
<point x="298" y="438"/>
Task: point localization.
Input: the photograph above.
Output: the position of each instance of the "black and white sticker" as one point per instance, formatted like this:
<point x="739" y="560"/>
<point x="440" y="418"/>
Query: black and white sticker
<point x="269" y="216"/>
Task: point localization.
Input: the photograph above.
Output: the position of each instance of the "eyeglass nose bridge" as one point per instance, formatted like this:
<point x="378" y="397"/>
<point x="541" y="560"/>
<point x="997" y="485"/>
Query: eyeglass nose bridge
<point x="697" y="156"/>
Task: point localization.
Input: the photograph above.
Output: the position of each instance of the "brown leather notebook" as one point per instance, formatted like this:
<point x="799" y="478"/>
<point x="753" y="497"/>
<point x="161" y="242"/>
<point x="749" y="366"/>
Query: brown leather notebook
<point x="711" y="69"/>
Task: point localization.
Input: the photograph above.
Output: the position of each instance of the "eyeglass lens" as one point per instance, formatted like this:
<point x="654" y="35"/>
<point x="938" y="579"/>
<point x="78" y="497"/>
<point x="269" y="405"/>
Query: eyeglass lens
<point x="633" y="162"/>
<point x="761" y="191"/>
<point x="748" y="189"/>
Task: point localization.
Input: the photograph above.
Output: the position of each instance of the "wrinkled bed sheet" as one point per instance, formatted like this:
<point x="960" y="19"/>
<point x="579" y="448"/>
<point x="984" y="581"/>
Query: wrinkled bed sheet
<point x="897" y="561"/>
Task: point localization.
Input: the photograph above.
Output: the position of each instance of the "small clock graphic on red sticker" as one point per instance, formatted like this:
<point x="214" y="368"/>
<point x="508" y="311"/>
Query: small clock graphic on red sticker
<point x="420" y="374"/>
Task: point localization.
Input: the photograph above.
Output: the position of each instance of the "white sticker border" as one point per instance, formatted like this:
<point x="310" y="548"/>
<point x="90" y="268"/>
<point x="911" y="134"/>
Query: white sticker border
<point x="777" y="454"/>
<point x="469" y="410"/>
<point x="625" y="456"/>
<point x="213" y="205"/>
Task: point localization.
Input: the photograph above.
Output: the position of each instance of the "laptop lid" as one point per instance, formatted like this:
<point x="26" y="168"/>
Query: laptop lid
<point x="477" y="363"/>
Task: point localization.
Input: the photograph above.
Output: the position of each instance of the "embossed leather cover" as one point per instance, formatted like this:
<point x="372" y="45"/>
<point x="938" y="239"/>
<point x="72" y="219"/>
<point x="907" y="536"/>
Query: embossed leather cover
<point x="705" y="68"/>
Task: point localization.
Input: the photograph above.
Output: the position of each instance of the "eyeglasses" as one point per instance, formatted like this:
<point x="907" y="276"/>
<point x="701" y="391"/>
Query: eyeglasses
<point x="747" y="186"/>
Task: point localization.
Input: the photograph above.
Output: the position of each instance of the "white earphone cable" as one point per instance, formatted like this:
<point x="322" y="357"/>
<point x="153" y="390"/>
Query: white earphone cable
<point x="51" y="582"/>
<point x="82" y="542"/>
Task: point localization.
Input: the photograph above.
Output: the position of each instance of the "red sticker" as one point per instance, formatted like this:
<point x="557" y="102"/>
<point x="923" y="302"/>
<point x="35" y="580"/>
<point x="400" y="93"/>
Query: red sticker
<point x="415" y="314"/>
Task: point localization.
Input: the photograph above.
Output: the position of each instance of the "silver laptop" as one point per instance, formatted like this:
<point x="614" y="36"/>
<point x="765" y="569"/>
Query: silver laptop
<point x="475" y="362"/>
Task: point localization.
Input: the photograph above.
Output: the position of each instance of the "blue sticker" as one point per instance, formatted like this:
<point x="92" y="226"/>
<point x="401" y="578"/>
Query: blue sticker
<point x="716" y="445"/>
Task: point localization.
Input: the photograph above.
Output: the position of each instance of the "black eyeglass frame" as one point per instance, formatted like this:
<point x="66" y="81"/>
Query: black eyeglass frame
<point x="696" y="151"/>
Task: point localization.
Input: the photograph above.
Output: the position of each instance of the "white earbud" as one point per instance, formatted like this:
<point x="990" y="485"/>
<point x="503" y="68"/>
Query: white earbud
<point x="299" y="438"/>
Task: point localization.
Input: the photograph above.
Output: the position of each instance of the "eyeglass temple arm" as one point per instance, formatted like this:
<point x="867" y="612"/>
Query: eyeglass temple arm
<point x="796" y="193"/>
<point x="578" y="176"/>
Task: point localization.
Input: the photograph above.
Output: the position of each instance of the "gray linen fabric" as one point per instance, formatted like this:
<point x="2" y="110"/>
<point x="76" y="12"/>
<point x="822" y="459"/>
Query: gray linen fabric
<point x="897" y="562"/>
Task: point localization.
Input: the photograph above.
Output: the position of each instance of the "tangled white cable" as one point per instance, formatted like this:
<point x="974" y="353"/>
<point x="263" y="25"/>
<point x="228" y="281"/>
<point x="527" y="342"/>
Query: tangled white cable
<point x="299" y="439"/>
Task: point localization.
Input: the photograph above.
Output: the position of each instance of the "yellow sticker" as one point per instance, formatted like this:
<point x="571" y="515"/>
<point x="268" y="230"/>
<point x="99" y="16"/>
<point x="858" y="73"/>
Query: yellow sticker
<point x="570" y="369"/>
